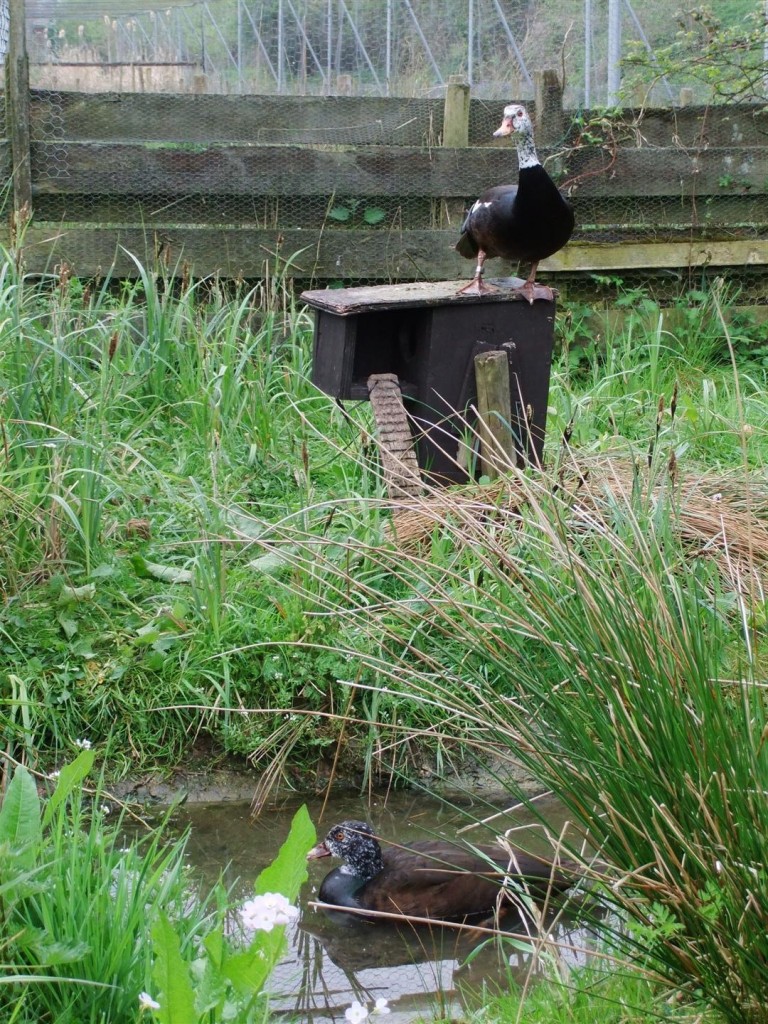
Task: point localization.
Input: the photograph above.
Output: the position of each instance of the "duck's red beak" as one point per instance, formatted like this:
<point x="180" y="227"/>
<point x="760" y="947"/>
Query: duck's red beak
<point x="321" y="850"/>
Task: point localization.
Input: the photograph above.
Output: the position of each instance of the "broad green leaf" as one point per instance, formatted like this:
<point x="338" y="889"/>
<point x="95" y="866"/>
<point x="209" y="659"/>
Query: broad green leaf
<point x="340" y="213"/>
<point x="286" y="874"/>
<point x="374" y="215"/>
<point x="288" y="871"/>
<point x="51" y="954"/>
<point x="70" y="776"/>
<point x="102" y="572"/>
<point x="74" y="595"/>
<point x="270" y="563"/>
<point x="166" y="573"/>
<point x="68" y="626"/>
<point x="214" y="947"/>
<point x="20" y="816"/>
<point x="210" y="988"/>
<point x="248" y="971"/>
<point x="171" y="976"/>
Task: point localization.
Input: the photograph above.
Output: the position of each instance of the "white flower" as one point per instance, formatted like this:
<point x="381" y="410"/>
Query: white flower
<point x="83" y="744"/>
<point x="54" y="775"/>
<point x="263" y="912"/>
<point x="356" y="1013"/>
<point x="146" y="1002"/>
<point x="381" y="1006"/>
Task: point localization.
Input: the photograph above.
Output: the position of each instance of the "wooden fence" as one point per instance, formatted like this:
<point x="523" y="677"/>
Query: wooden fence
<point x="362" y="189"/>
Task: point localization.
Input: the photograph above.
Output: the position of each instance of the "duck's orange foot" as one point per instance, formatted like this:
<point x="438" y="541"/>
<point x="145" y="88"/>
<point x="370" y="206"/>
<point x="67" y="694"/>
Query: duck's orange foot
<point x="477" y="287"/>
<point x="532" y="291"/>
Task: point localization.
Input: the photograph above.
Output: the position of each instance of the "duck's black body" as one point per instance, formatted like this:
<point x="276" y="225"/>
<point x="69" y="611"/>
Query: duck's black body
<point x="527" y="221"/>
<point x="432" y="878"/>
<point x="501" y="224"/>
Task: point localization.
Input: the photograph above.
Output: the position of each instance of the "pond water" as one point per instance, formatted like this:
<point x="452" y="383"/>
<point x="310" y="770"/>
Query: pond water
<point x="331" y="962"/>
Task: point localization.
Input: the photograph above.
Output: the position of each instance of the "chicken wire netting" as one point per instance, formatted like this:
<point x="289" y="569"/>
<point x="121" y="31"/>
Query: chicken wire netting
<point x="348" y="51"/>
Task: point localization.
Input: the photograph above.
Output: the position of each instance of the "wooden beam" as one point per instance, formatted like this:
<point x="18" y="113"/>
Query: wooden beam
<point x="398" y="171"/>
<point x="17" y="113"/>
<point x="353" y="120"/>
<point x="656" y="255"/>
<point x="256" y="120"/>
<point x="344" y="253"/>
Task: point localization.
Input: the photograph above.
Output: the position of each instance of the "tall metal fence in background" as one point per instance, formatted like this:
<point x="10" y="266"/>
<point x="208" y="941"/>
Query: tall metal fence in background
<point x="350" y="47"/>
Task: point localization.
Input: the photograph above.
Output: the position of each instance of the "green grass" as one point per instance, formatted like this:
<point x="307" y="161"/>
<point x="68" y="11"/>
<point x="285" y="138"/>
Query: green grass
<point x="77" y="901"/>
<point x="156" y="436"/>
<point x="97" y="912"/>
<point x="591" y="995"/>
<point x="196" y="550"/>
<point x="144" y="431"/>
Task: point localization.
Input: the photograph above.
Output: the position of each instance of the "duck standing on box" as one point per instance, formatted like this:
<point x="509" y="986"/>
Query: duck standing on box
<point x="527" y="221"/>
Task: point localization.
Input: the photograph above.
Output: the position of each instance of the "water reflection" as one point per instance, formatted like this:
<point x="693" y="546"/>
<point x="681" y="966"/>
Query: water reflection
<point x="334" y="959"/>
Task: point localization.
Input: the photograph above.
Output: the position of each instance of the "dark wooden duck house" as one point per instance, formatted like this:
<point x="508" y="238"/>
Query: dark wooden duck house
<point x="428" y="336"/>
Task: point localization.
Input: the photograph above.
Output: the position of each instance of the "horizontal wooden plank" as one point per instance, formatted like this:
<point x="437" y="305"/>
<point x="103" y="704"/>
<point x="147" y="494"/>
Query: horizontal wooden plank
<point x="176" y="169"/>
<point x="295" y="120"/>
<point x="599" y="218"/>
<point x="625" y="214"/>
<point x="694" y="127"/>
<point x="668" y="172"/>
<point x="351" y="119"/>
<point x="368" y="255"/>
<point x="659" y="255"/>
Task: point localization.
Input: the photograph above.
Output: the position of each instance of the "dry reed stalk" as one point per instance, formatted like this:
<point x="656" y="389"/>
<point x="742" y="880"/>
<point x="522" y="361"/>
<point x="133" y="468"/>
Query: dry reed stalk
<point x="719" y="516"/>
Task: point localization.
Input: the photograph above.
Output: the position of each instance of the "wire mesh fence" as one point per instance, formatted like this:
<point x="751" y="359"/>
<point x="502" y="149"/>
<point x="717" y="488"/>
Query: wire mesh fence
<point x="360" y="187"/>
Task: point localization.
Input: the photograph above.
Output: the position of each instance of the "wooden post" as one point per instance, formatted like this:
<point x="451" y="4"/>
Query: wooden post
<point x="456" y="113"/>
<point x="17" y="92"/>
<point x="455" y="135"/>
<point x="494" y="408"/>
<point x="550" y="116"/>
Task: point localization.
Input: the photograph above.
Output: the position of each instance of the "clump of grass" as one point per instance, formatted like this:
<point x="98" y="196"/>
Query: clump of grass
<point x="591" y="995"/>
<point x="144" y="422"/>
<point x="78" y="901"/>
<point x="93" y="920"/>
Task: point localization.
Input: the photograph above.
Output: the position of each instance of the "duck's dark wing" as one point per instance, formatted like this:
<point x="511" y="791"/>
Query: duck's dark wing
<point x="477" y="230"/>
<point x="433" y="879"/>
<point x="444" y="882"/>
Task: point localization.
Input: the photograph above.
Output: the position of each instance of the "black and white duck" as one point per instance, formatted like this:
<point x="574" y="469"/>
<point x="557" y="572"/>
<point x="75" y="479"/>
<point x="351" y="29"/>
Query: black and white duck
<point x="527" y="221"/>
<point x="431" y="878"/>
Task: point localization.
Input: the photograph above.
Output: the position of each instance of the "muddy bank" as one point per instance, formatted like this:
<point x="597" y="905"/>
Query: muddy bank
<point x="206" y="781"/>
